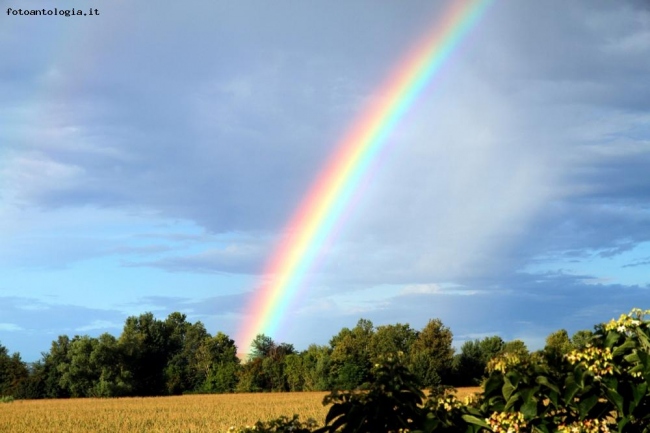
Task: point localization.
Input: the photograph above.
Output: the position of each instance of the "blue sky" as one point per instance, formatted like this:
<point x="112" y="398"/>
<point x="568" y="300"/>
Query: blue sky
<point x="150" y="156"/>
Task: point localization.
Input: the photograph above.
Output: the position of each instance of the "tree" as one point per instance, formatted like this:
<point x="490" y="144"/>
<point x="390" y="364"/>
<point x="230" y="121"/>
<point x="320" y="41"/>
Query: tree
<point x="13" y="372"/>
<point x="178" y="374"/>
<point x="558" y="344"/>
<point x="469" y="365"/>
<point x="490" y="347"/>
<point x="351" y="362"/>
<point x="265" y="368"/>
<point x="392" y="339"/>
<point x="144" y="343"/>
<point x="217" y="363"/>
<point x="114" y="377"/>
<point x="581" y="338"/>
<point x="57" y="355"/>
<point x="516" y="347"/>
<point x="431" y="354"/>
<point x="78" y="372"/>
<point x="317" y="364"/>
<point x="262" y="346"/>
<point x="294" y="371"/>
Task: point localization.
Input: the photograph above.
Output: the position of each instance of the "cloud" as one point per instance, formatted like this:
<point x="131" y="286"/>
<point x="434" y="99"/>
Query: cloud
<point x="638" y="263"/>
<point x="9" y="327"/>
<point x="435" y="289"/>
<point x="233" y="258"/>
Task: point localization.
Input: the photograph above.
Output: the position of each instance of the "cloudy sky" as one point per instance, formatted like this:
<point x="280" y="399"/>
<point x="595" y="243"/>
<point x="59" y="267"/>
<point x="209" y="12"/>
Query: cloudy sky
<point x="151" y="156"/>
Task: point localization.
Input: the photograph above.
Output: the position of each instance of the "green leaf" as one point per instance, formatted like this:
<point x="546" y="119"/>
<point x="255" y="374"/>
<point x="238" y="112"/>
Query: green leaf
<point x="612" y="337"/>
<point x="507" y="389"/>
<point x="644" y="340"/>
<point x="585" y="405"/>
<point x="493" y="384"/>
<point x="474" y="420"/>
<point x="543" y="380"/>
<point x="512" y="400"/>
<point x="529" y="409"/>
<point x="628" y="345"/>
<point x="638" y="392"/>
<point x="616" y="398"/>
<point x="571" y="388"/>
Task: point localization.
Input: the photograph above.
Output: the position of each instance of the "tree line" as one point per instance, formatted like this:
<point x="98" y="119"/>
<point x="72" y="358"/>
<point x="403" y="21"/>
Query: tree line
<point x="174" y="356"/>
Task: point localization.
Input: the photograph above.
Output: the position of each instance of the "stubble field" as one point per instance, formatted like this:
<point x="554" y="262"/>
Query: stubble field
<point x="189" y="413"/>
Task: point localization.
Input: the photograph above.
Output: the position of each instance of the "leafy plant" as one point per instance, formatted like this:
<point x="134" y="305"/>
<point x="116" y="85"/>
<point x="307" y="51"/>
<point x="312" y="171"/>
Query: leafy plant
<point x="282" y="424"/>
<point x="392" y="403"/>
<point x="601" y="387"/>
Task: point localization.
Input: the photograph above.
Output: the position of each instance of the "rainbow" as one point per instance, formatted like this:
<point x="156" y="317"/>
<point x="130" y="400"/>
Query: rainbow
<point x="314" y="220"/>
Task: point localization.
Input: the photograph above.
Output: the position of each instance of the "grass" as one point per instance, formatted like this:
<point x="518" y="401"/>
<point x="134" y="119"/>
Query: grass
<point x="187" y="414"/>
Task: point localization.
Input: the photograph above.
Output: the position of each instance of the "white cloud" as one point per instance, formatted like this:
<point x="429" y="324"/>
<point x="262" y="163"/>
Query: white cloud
<point x="99" y="325"/>
<point x="10" y="327"/>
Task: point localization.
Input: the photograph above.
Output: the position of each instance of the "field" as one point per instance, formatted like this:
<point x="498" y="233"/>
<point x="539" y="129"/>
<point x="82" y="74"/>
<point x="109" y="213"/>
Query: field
<point x="189" y="413"/>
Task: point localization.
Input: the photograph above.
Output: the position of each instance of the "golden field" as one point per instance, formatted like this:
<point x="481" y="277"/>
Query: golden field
<point x="188" y="413"/>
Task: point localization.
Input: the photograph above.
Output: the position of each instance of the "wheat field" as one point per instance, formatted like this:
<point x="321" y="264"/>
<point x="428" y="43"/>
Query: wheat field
<point x="187" y="414"/>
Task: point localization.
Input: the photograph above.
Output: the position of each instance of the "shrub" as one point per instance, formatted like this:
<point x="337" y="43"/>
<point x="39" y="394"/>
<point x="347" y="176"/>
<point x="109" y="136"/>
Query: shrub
<point x="391" y="404"/>
<point x="279" y="425"/>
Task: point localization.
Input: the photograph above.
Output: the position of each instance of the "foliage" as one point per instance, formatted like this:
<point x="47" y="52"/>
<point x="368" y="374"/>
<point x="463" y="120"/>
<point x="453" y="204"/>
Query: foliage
<point x="392" y="339"/>
<point x="431" y="354"/>
<point x="608" y="381"/>
<point x="558" y="344"/>
<point x="601" y="387"/>
<point x="6" y="398"/>
<point x="351" y="359"/>
<point x="13" y="372"/>
<point x="392" y="403"/>
<point x="581" y="338"/>
<point x="470" y="364"/>
<point x="316" y="364"/>
<point x="282" y="424"/>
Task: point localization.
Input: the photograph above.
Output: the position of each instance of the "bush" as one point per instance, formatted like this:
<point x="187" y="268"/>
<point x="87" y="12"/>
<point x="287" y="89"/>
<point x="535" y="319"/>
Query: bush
<point x="393" y="402"/>
<point x="279" y="425"/>
<point x="6" y="399"/>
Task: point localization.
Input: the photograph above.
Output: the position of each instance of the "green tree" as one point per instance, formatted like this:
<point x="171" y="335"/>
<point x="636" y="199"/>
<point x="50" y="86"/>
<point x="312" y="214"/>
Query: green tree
<point x="217" y="363"/>
<point x="144" y="342"/>
<point x="581" y="338"/>
<point x="516" y="347"/>
<point x="294" y="371"/>
<point x="490" y="347"/>
<point x="262" y="346"/>
<point x="13" y="373"/>
<point x="432" y="354"/>
<point x="557" y="345"/>
<point x="251" y="376"/>
<point x="317" y="365"/>
<point x="265" y="368"/>
<point x="114" y="377"/>
<point x="392" y="339"/>
<point x="57" y="355"/>
<point x="468" y="365"/>
<point x="351" y="355"/>
<point x="181" y="346"/>
<point x="79" y="373"/>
